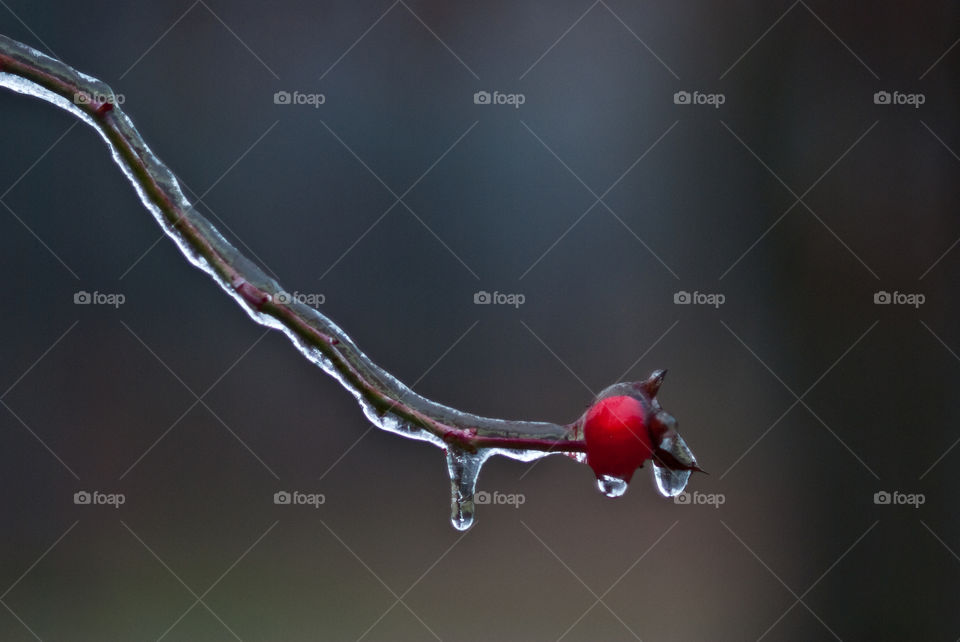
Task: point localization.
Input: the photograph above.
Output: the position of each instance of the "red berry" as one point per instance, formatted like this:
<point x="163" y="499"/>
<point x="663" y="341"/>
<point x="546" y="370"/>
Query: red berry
<point x="618" y="440"/>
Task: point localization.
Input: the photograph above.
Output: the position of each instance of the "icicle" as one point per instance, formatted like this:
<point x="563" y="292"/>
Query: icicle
<point x="464" y="468"/>
<point x="670" y="482"/>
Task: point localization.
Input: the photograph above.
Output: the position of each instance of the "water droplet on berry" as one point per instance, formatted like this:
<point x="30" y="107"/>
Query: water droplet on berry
<point x="611" y="486"/>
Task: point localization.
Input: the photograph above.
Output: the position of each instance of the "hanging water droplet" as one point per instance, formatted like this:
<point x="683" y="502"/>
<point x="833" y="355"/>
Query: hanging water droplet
<point x="464" y="468"/>
<point x="611" y="486"/>
<point x="670" y="482"/>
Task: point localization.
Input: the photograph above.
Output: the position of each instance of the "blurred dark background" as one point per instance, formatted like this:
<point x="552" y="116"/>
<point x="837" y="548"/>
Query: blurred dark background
<point x="104" y="399"/>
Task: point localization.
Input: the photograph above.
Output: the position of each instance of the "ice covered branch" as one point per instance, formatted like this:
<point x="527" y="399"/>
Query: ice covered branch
<point x="615" y="439"/>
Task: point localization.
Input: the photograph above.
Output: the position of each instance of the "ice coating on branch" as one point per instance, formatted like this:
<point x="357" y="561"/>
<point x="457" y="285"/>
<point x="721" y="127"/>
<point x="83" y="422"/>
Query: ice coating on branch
<point x="468" y="439"/>
<point x="385" y="401"/>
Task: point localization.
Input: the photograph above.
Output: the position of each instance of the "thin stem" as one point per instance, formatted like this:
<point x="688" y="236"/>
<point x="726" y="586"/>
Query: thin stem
<point x="386" y="401"/>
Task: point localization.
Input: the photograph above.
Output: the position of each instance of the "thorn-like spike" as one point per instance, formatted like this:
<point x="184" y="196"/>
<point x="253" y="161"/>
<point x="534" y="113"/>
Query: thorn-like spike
<point x="653" y="382"/>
